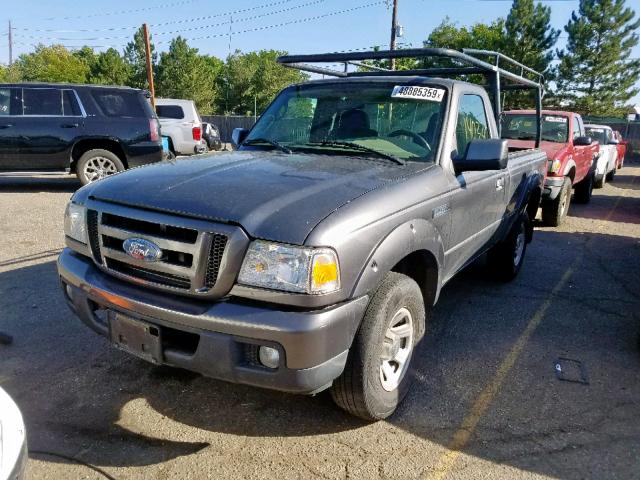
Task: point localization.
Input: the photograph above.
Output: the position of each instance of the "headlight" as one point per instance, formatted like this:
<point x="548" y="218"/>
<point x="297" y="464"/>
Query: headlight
<point x="75" y="223"/>
<point x="555" y="166"/>
<point x="290" y="268"/>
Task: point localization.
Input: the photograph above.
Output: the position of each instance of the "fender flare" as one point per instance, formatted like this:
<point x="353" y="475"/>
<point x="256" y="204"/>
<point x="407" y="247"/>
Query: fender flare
<point x="412" y="236"/>
<point x="570" y="164"/>
<point x="521" y="202"/>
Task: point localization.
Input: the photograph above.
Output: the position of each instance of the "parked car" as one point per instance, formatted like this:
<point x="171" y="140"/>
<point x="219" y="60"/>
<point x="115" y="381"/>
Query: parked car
<point x="181" y="122"/>
<point x="13" y="440"/>
<point x="622" y="148"/>
<point x="306" y="260"/>
<point x="211" y="135"/>
<point x="571" y="155"/>
<point x="608" y="149"/>
<point x="89" y="130"/>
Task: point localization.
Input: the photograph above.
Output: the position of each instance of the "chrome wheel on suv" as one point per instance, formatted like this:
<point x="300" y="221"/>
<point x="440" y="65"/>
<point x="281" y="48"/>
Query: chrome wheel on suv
<point x="97" y="164"/>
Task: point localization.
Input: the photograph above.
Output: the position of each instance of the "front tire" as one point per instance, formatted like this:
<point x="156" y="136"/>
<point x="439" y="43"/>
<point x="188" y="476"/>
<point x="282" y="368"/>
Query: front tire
<point x="507" y="257"/>
<point x="611" y="174"/>
<point x="378" y="372"/>
<point x="97" y="164"/>
<point x="584" y="190"/>
<point x="554" y="211"/>
<point x="600" y="182"/>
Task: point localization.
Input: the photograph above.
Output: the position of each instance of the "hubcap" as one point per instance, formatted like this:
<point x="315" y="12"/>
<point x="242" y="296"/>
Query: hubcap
<point x="517" y="254"/>
<point x="99" y="167"/>
<point x="396" y="350"/>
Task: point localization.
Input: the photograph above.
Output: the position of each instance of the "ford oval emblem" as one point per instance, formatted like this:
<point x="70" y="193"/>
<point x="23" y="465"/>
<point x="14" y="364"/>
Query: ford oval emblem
<point x="142" y="249"/>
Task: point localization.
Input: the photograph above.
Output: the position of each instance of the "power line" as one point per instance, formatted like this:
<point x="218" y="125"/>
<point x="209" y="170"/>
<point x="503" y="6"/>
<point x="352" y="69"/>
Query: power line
<point x="162" y="24"/>
<point x="283" y="24"/>
<point x="173" y="32"/>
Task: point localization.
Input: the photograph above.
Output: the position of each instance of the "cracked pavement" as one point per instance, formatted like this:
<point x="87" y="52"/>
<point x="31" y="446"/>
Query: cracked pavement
<point x="93" y="412"/>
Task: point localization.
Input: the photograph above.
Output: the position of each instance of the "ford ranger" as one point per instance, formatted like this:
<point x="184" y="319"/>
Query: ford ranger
<point x="572" y="154"/>
<point x="310" y="258"/>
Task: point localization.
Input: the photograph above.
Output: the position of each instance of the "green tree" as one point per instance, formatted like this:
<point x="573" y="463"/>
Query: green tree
<point x="9" y="73"/>
<point x="596" y="72"/>
<point x="109" y="68"/>
<point x="52" y="64"/>
<point x="480" y="35"/>
<point x="253" y="76"/>
<point x="529" y="37"/>
<point x="183" y="73"/>
<point x="134" y="54"/>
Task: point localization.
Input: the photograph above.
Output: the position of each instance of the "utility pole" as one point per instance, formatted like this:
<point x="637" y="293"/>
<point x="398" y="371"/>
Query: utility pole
<point x="10" y="44"/>
<point x="147" y="53"/>
<point x="394" y="26"/>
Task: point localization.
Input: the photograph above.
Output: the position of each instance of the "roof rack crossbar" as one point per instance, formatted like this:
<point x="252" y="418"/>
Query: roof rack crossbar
<point x="465" y="58"/>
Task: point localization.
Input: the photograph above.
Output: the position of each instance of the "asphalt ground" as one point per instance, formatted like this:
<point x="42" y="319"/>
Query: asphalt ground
<point x="488" y="402"/>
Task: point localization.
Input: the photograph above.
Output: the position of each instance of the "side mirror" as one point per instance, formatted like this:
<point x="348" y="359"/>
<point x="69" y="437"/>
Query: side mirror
<point x="489" y="154"/>
<point x="238" y="136"/>
<point x="583" y="141"/>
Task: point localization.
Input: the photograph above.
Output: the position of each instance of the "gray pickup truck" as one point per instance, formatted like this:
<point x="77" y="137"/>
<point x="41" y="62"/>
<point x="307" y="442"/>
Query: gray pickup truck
<point x="310" y="258"/>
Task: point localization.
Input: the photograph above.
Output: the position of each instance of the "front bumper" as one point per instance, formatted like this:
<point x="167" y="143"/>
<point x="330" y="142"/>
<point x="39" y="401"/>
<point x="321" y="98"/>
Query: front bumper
<point x="552" y="188"/>
<point x="222" y="336"/>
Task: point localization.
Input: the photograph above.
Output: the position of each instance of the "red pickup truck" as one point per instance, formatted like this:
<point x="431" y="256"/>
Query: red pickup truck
<point x="571" y="156"/>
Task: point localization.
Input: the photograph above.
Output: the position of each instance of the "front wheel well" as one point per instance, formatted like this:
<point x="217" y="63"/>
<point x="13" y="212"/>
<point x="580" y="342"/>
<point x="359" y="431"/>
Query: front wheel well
<point x="422" y="267"/>
<point x="83" y="146"/>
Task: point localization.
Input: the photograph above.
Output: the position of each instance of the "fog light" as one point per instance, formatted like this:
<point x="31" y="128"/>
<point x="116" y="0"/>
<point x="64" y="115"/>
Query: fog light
<point x="269" y="357"/>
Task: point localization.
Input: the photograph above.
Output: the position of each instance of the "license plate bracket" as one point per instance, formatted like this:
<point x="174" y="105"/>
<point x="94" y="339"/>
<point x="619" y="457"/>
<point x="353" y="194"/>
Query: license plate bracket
<point x="136" y="337"/>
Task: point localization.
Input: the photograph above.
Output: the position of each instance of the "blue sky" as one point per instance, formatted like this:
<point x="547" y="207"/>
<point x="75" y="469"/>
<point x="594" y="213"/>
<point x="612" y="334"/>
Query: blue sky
<point x="340" y="25"/>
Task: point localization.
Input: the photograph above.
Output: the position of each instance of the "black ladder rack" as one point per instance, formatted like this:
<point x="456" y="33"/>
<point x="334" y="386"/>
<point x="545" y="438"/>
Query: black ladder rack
<point x="468" y="63"/>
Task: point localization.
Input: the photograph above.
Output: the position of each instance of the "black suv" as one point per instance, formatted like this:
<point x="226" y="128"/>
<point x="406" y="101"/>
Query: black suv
<point x="90" y="130"/>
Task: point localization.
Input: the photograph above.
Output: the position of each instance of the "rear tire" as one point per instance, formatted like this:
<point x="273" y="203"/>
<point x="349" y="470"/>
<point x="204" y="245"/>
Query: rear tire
<point x="611" y="174"/>
<point x="584" y="190"/>
<point x="97" y="164"/>
<point x="378" y="372"/>
<point x="507" y="257"/>
<point x="553" y="212"/>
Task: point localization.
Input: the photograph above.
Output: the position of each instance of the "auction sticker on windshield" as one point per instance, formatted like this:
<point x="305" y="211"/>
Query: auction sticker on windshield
<point x="555" y="119"/>
<point x="418" y="93"/>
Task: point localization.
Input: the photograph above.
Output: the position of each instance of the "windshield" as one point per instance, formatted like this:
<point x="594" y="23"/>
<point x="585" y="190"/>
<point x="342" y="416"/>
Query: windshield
<point x="523" y="127"/>
<point x="597" y="134"/>
<point x="400" y="123"/>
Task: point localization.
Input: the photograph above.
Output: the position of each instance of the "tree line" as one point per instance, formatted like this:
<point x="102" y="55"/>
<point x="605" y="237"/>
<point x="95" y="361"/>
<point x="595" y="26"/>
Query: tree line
<point x="595" y="73"/>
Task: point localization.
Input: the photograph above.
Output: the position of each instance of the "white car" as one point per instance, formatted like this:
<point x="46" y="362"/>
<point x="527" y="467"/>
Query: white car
<point x="13" y="440"/>
<point x="180" y="121"/>
<point x="608" y="154"/>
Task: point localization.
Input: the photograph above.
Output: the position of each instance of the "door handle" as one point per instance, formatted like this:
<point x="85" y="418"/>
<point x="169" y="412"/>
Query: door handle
<point x="499" y="184"/>
<point x="69" y="125"/>
<point x="6" y="126"/>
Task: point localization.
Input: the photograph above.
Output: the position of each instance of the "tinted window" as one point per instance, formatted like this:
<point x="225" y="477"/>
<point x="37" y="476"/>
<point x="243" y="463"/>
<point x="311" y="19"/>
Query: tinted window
<point x="70" y="106"/>
<point x="119" y="104"/>
<point x="170" y="111"/>
<point x="472" y="122"/>
<point x="10" y="101"/>
<point x="598" y="134"/>
<point x="42" y="101"/>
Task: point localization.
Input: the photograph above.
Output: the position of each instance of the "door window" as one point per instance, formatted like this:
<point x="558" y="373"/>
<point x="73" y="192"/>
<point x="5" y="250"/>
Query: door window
<point x="472" y="122"/>
<point x="42" y="101"/>
<point x="10" y="101"/>
<point x="576" y="128"/>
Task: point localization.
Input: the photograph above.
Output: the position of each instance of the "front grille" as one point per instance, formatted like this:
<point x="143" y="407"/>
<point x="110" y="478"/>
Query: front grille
<point x="92" y="230"/>
<point x="218" y="244"/>
<point x="191" y="255"/>
<point x="174" y="281"/>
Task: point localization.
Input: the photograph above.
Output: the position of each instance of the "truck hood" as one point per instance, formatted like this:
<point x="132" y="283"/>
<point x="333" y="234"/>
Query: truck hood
<point x="552" y="149"/>
<point x="273" y="196"/>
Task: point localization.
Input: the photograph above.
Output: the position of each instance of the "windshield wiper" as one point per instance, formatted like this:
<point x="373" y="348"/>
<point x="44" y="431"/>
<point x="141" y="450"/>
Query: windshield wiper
<point x="273" y="143"/>
<point x="358" y="147"/>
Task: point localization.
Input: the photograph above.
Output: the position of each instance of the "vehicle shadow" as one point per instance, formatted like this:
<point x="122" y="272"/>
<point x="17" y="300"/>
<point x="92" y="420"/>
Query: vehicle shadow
<point x="40" y="183"/>
<point x="96" y="405"/>
<point x="626" y="182"/>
